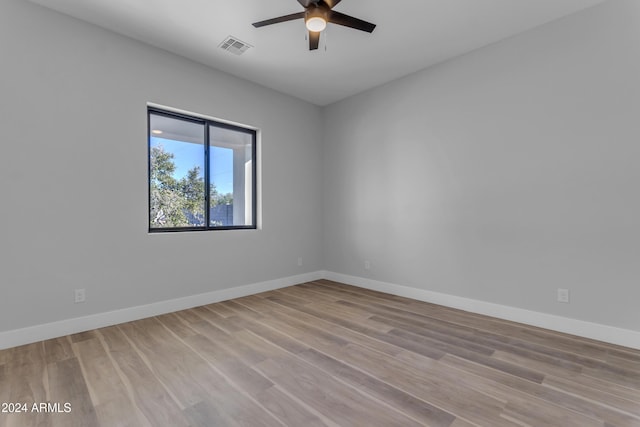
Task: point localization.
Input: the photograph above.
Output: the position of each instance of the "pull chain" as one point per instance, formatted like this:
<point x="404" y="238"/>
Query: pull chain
<point x="326" y="37"/>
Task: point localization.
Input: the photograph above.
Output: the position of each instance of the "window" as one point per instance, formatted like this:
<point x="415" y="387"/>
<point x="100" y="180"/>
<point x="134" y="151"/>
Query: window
<point x="202" y="174"/>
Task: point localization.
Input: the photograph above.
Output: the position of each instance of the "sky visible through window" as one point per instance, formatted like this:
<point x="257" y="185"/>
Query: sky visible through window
<point x="187" y="155"/>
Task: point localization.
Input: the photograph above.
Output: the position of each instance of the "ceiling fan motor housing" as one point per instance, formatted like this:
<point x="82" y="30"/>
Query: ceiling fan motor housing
<point x="317" y="11"/>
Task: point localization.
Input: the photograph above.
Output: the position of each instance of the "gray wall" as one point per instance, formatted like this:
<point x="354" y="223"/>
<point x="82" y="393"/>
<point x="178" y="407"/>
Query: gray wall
<point x="500" y="175"/>
<point x="73" y="180"/>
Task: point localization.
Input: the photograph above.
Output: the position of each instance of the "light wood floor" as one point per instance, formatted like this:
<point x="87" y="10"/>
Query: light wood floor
<point x="323" y="353"/>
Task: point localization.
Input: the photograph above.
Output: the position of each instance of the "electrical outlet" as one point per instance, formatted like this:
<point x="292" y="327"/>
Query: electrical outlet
<point x="299" y="261"/>
<point x="80" y="295"/>
<point x="367" y="265"/>
<point x="563" y="295"/>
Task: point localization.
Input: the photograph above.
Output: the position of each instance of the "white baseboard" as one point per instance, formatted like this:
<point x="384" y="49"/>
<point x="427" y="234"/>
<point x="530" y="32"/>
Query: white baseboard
<point x="596" y="331"/>
<point x="60" y="328"/>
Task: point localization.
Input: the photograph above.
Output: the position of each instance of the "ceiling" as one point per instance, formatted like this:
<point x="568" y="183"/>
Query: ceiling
<point x="410" y="35"/>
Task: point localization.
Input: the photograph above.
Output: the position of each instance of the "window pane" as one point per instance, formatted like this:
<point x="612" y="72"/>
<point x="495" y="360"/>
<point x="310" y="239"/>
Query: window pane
<point x="231" y="176"/>
<point x="177" y="190"/>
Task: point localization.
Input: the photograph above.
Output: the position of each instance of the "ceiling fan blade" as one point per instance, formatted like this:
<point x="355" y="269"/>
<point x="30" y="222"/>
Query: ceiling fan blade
<point x="279" y="19"/>
<point x="350" y="21"/>
<point x="314" y="40"/>
<point x="330" y="3"/>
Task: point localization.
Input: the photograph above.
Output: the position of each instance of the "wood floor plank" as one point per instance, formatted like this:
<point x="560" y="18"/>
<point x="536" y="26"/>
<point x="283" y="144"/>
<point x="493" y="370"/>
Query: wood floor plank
<point x="220" y="322"/>
<point x="221" y="309"/>
<point x="417" y="409"/>
<point x="191" y="378"/>
<point x="208" y="328"/>
<point x="188" y="377"/>
<point x="290" y="297"/>
<point x="349" y="318"/>
<point x="67" y="387"/>
<point x="205" y="414"/>
<point x="58" y="349"/>
<point x="178" y="326"/>
<point x="255" y="303"/>
<point x="253" y="383"/>
<point x="4" y="356"/>
<point x="225" y="357"/>
<point x="477" y="357"/>
<point x="425" y="382"/>
<point x="348" y="293"/>
<point x="453" y="333"/>
<point x="26" y="384"/>
<point x="626" y="378"/>
<point x="326" y="394"/>
<point x="412" y="380"/>
<point x="460" y="422"/>
<point x="290" y="410"/>
<point x="4" y="388"/>
<point x="361" y="324"/>
<point x="148" y="394"/>
<point x="82" y="336"/>
<point x="431" y="327"/>
<point x="446" y="340"/>
<point x="529" y="334"/>
<point x="564" y="359"/>
<point x="523" y="395"/>
<point x="235" y="370"/>
<point x="323" y="354"/>
<point x="596" y="395"/>
<point x="190" y="316"/>
<point x="283" y="319"/>
<point x="574" y="344"/>
<point x="274" y="336"/>
<point x="521" y="407"/>
<point x="629" y="365"/>
<point x="365" y="293"/>
<point x="179" y="376"/>
<point x="508" y="329"/>
<point x="350" y="313"/>
<point x="329" y="326"/>
<point x="286" y="342"/>
<point x="307" y="295"/>
<point x="108" y="394"/>
<point x="601" y="386"/>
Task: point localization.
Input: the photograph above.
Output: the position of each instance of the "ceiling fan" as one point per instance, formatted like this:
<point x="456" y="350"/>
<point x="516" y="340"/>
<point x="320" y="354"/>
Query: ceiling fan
<point x="316" y="15"/>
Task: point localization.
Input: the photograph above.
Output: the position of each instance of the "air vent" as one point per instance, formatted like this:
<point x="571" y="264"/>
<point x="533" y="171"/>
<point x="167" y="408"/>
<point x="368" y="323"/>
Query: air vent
<point x="235" y="46"/>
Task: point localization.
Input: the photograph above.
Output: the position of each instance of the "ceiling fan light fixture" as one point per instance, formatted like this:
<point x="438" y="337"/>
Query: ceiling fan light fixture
<point x="316" y="19"/>
<point x="316" y="24"/>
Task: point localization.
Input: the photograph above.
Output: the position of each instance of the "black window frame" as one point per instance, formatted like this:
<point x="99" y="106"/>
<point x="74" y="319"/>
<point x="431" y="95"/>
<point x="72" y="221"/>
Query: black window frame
<point x="207" y="123"/>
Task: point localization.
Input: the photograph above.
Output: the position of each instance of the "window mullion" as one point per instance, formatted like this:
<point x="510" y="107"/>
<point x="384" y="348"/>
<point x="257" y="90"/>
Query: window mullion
<point x="207" y="174"/>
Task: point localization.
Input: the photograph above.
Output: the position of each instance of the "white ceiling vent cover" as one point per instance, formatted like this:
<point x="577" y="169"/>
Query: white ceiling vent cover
<point x="235" y="46"/>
